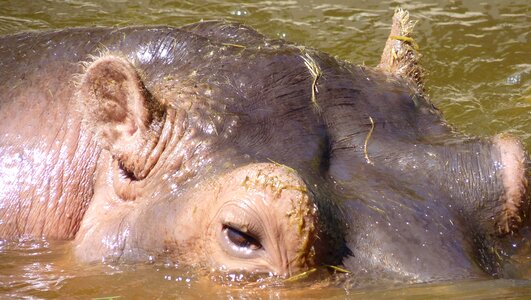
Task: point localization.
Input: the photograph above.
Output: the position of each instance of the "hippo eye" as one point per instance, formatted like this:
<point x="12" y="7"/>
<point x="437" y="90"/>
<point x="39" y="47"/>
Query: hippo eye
<point x="241" y="240"/>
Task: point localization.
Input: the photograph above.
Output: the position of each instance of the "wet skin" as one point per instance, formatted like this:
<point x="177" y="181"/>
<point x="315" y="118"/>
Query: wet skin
<point x="218" y="147"/>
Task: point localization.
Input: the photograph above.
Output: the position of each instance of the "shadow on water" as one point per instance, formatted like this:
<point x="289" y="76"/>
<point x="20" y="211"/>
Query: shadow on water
<point x="477" y="54"/>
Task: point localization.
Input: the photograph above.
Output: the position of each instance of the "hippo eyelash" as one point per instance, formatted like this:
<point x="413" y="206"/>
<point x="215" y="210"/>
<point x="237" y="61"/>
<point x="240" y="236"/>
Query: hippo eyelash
<point x="249" y="229"/>
<point x="126" y="174"/>
<point x="251" y="242"/>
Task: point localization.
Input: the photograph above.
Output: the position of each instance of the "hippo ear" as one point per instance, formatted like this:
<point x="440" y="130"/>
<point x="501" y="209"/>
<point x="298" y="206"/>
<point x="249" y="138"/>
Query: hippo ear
<point x="119" y="110"/>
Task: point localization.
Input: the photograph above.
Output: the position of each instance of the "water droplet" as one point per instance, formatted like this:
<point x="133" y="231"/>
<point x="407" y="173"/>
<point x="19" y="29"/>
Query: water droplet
<point x="168" y="264"/>
<point x="514" y="79"/>
<point x="241" y="12"/>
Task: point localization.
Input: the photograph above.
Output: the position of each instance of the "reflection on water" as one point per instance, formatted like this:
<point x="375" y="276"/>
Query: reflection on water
<point x="477" y="55"/>
<point x="44" y="269"/>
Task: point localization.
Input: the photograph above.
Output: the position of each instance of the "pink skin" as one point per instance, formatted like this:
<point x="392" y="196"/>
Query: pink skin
<point x="513" y="208"/>
<point x="47" y="160"/>
<point x="265" y="201"/>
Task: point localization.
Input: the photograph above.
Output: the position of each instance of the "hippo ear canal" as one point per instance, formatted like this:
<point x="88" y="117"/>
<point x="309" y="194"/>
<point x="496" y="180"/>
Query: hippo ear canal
<point x="119" y="110"/>
<point x="114" y="99"/>
<point x="121" y="113"/>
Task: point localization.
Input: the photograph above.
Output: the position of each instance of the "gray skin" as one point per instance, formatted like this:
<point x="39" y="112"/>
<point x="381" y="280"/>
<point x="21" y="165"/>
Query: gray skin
<point x="220" y="148"/>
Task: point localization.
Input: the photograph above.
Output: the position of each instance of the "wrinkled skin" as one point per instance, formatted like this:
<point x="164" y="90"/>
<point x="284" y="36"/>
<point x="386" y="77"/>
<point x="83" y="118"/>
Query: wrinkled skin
<point x="220" y="148"/>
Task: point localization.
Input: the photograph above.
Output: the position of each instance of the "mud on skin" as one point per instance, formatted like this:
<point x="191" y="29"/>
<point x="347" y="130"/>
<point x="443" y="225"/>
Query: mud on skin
<point x="222" y="149"/>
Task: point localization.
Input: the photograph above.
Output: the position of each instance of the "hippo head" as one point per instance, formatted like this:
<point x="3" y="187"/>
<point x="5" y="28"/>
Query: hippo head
<point x="163" y="190"/>
<point x="227" y="150"/>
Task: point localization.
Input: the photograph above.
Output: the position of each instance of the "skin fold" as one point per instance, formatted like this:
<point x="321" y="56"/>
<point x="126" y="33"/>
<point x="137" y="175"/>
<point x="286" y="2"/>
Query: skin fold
<point x="217" y="147"/>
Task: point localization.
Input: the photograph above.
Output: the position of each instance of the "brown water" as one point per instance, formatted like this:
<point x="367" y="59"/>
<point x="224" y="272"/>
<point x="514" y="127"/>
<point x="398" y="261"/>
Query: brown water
<point x="478" y="57"/>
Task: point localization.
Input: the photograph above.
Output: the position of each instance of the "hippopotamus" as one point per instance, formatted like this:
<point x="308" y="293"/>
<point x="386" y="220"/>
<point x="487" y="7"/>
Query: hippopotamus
<point x="218" y="148"/>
